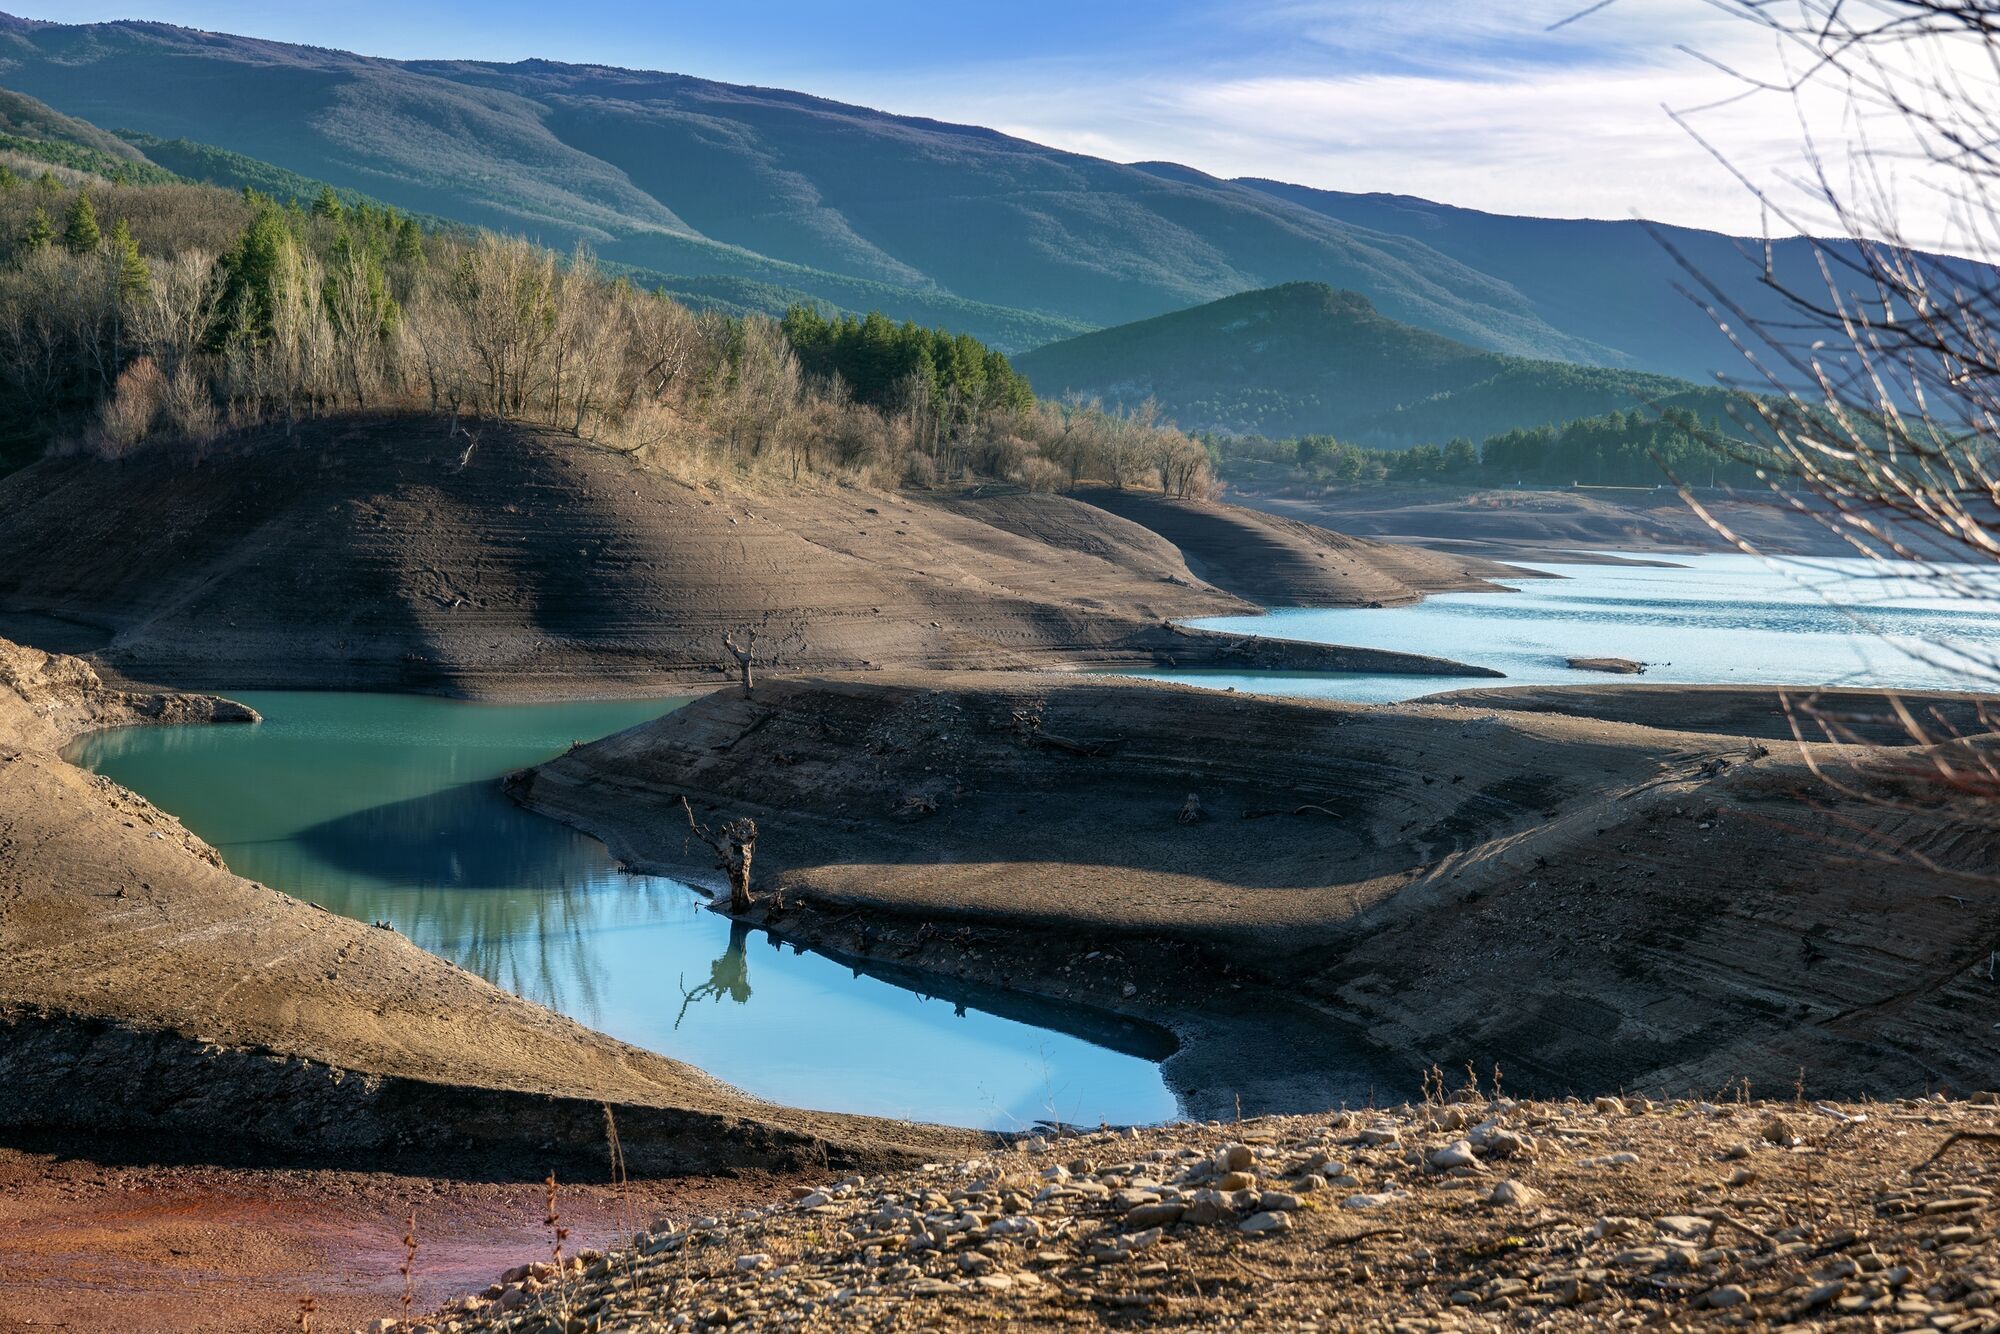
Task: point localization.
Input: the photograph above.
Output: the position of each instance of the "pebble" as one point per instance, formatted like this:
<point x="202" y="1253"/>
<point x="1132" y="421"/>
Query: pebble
<point x="1269" y="1221"/>
<point x="1456" y="1154"/>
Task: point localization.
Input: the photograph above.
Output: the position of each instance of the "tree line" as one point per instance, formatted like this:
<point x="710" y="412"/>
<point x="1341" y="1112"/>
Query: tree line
<point x="1613" y="449"/>
<point x="140" y="316"/>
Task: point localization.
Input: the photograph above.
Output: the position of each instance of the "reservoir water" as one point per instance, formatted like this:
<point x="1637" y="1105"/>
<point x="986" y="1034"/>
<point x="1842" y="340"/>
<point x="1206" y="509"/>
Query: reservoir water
<point x="385" y="808"/>
<point x="1712" y="619"/>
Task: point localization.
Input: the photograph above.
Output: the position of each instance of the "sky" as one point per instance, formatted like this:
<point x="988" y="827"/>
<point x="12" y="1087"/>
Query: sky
<point x="1491" y="104"/>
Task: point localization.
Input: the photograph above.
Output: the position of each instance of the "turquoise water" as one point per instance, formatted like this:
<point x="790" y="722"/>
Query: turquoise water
<point x="1717" y="619"/>
<point x="385" y="808"/>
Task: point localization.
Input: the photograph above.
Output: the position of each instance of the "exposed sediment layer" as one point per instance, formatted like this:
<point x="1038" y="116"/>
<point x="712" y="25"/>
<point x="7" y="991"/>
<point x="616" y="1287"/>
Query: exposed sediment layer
<point x="381" y="555"/>
<point x="144" y="989"/>
<point x="1591" y="903"/>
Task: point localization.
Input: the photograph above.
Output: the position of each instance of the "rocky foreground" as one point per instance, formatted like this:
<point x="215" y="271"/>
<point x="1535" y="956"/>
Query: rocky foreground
<point x="1476" y="1212"/>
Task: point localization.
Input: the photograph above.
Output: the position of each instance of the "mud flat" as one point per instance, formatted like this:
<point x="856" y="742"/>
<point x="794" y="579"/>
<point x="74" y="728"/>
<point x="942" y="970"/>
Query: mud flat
<point x="1549" y="525"/>
<point x="147" y="995"/>
<point x="379" y="555"/>
<point x="1353" y="893"/>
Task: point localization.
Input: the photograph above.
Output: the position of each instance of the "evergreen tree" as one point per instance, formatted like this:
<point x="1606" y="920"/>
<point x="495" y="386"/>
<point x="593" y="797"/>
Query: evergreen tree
<point x="328" y="205"/>
<point x="128" y="268"/>
<point x="48" y="184"/>
<point x="9" y="182"/>
<point x="81" y="235"/>
<point x="409" y="243"/>
<point x="41" y="233"/>
<point x="252" y="271"/>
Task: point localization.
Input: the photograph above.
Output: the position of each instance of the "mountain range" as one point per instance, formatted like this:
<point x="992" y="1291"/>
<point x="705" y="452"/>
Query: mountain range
<point x="757" y="197"/>
<point x="1306" y="359"/>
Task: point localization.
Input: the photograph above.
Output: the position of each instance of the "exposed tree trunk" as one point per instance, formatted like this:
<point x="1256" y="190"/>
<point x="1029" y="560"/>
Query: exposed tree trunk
<point x="734" y="845"/>
<point x="745" y="655"/>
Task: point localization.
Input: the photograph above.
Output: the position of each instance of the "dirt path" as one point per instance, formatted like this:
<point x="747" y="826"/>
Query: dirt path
<point x="108" y="1246"/>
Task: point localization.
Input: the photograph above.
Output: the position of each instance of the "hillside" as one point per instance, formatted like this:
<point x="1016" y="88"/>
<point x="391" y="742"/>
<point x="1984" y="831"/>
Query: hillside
<point x="34" y="132"/>
<point x="1305" y="359"/>
<point x="1624" y="282"/>
<point x="680" y="175"/>
<point x="379" y="554"/>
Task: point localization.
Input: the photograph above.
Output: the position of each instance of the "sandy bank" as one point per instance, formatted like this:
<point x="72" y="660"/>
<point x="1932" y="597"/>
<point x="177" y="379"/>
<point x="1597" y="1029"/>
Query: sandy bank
<point x="1592" y="903"/>
<point x="363" y="555"/>
<point x="1547" y="525"/>
<point x="145" y="990"/>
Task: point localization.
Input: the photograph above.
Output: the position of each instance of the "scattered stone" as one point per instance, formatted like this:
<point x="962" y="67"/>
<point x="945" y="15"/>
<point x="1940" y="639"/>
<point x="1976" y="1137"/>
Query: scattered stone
<point x="1456" y="1154"/>
<point x="1513" y="1193"/>
<point x="1164" y="1229"/>
<point x="1268" y="1221"/>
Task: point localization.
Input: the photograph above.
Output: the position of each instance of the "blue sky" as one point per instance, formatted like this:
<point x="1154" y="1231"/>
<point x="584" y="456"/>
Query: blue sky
<point x="1475" y="102"/>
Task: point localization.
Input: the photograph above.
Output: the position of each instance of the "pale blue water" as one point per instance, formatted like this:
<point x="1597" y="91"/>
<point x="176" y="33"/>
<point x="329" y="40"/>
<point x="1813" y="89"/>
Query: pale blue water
<point x="385" y="807"/>
<point x="1715" y="619"/>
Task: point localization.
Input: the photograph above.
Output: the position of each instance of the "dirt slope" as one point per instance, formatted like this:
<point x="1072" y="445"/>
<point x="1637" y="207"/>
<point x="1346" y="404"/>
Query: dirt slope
<point x="362" y="554"/>
<point x="1277" y="561"/>
<point x="1593" y="904"/>
<point x="145" y="988"/>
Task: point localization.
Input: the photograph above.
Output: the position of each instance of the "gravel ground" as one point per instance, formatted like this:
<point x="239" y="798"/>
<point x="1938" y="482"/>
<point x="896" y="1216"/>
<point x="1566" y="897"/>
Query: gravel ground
<point x="1470" y="1213"/>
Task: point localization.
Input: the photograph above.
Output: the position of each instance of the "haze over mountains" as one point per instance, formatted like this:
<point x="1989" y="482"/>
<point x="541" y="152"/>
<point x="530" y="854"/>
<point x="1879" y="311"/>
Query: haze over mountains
<point x="756" y="197"/>
<point x="1305" y="359"/>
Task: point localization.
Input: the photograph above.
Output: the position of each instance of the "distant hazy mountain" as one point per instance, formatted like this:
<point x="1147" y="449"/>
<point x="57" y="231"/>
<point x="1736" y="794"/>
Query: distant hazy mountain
<point x="757" y="197"/>
<point x="1306" y="359"/>
<point x="686" y="176"/>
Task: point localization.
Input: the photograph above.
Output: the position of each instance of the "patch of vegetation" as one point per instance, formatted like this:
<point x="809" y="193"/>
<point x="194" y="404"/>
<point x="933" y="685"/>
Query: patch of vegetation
<point x="146" y="317"/>
<point x="76" y="157"/>
<point x="219" y="166"/>
<point x="1631" y="448"/>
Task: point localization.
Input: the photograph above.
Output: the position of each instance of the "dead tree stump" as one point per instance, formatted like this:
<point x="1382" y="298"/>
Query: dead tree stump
<point x="734" y="844"/>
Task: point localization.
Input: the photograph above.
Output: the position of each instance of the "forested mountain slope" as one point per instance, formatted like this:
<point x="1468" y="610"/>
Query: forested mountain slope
<point x="1305" y="359"/>
<point x="685" y="176"/>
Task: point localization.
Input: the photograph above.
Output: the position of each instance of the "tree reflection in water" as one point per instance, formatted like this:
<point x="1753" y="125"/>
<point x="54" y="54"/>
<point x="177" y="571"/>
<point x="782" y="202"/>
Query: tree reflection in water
<point x="727" y="976"/>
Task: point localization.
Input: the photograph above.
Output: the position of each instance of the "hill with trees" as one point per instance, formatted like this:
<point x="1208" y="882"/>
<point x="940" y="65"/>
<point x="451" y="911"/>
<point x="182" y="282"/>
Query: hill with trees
<point x="1305" y="359"/>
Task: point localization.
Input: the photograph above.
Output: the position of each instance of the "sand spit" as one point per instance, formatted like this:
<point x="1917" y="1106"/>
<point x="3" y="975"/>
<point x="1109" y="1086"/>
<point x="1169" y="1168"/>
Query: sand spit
<point x="1476" y="1213"/>
<point x="377" y="555"/>
<point x="1321" y="898"/>
<point x="146" y="991"/>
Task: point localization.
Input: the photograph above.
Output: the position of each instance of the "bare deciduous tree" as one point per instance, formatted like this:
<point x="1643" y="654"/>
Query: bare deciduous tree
<point x="741" y="646"/>
<point x="1882" y="372"/>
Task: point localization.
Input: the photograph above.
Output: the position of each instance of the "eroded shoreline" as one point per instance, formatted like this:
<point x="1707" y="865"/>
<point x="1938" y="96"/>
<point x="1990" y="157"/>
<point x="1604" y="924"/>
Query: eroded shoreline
<point x="1390" y="876"/>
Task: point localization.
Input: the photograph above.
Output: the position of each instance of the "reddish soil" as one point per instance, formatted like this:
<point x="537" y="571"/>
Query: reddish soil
<point x="93" y="1246"/>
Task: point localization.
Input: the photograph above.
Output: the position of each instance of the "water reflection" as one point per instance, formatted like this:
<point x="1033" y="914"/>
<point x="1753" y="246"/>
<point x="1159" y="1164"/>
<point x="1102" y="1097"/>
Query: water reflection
<point x="386" y="808"/>
<point x="728" y="976"/>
